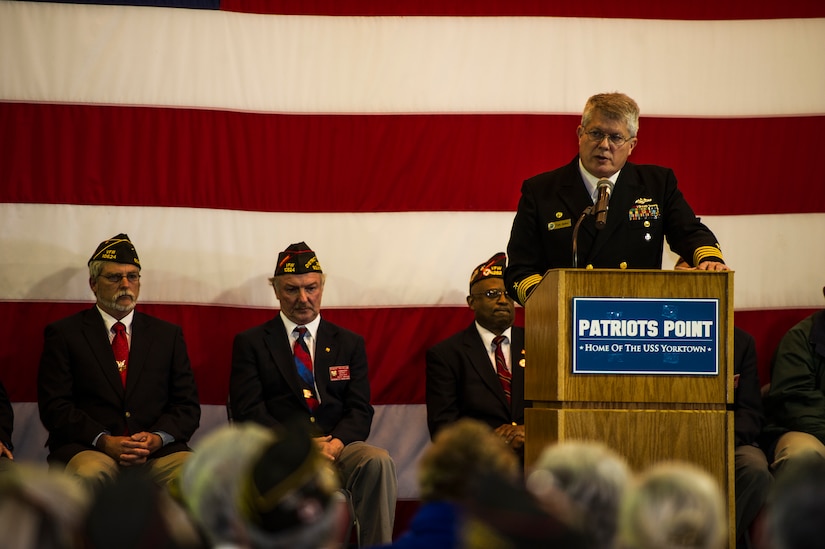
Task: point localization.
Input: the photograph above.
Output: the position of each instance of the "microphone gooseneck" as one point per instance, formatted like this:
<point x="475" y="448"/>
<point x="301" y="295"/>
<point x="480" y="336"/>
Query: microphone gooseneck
<point x="605" y="189"/>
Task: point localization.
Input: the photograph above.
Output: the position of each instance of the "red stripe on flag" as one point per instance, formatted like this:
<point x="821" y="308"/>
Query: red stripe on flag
<point x="97" y="155"/>
<point x="396" y="340"/>
<point x="636" y="9"/>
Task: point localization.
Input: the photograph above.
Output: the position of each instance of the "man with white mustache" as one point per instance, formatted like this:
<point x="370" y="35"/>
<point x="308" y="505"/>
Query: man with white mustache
<point x="105" y="412"/>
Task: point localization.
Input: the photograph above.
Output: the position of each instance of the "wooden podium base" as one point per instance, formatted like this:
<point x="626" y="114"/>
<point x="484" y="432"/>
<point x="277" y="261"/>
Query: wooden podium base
<point x="698" y="436"/>
<point x="645" y="417"/>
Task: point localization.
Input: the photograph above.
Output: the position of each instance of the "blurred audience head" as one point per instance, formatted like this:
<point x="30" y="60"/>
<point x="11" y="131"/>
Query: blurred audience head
<point x="41" y="508"/>
<point x="673" y="505"/>
<point x="502" y="514"/>
<point x="796" y="507"/>
<point x="459" y="454"/>
<point x="250" y="486"/>
<point x="133" y="512"/>
<point x="591" y="477"/>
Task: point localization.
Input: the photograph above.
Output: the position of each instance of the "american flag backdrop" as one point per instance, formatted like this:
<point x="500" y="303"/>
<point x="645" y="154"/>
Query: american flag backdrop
<point x="393" y="138"/>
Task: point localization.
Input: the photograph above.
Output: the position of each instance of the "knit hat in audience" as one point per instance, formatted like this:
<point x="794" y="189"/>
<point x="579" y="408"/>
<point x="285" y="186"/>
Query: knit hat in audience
<point x="289" y="486"/>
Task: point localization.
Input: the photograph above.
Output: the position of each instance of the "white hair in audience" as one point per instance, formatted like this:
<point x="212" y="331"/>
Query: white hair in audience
<point x="41" y="508"/>
<point x="674" y="505"/>
<point x="593" y="479"/>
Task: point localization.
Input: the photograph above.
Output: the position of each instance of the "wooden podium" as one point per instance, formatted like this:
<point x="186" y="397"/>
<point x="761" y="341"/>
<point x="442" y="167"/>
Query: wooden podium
<point x="646" y="418"/>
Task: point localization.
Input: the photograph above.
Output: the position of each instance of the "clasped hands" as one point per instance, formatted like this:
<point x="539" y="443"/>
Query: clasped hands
<point x="131" y="449"/>
<point x="330" y="447"/>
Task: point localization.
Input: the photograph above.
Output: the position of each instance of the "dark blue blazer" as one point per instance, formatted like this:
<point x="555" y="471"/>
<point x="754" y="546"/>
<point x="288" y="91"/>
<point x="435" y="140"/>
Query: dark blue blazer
<point x="461" y="382"/>
<point x="80" y="394"/>
<point x="264" y="385"/>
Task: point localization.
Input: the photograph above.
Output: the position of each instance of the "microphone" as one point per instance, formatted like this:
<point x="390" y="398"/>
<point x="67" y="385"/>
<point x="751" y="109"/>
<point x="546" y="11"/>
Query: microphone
<point x="605" y="188"/>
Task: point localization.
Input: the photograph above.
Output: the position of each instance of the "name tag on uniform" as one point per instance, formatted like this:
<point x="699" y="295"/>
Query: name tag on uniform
<point x="339" y="373"/>
<point x="561" y="224"/>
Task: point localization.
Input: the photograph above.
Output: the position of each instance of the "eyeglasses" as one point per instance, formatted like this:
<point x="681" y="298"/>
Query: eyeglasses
<point x="492" y="294"/>
<point x="597" y="136"/>
<point x="114" y="278"/>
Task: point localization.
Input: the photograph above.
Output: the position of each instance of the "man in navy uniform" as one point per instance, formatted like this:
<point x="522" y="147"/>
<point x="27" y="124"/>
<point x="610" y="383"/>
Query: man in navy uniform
<point x="645" y="207"/>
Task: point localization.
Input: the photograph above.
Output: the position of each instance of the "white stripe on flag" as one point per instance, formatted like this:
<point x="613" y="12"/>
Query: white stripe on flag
<point x="171" y="57"/>
<point x="222" y="257"/>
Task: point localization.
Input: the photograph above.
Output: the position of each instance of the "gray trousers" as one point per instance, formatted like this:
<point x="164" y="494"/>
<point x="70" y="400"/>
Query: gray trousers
<point x="368" y="472"/>
<point x="753" y="480"/>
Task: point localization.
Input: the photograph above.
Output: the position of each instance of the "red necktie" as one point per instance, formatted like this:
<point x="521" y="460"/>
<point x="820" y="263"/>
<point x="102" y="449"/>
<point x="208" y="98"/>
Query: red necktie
<point x="120" y="346"/>
<point x="303" y="362"/>
<point x="504" y="375"/>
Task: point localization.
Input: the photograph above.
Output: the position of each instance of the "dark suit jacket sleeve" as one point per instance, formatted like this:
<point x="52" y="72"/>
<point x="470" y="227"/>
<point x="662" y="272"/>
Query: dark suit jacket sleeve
<point x="686" y="234"/>
<point x="442" y="388"/>
<point x="246" y="381"/>
<point x="345" y="406"/>
<point x="57" y="393"/>
<point x="6" y="418"/>
<point x="748" y="416"/>
<point x="525" y="259"/>
<point x="181" y="412"/>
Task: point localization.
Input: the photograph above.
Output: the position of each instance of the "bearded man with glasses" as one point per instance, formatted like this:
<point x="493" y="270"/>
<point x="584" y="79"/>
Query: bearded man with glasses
<point x="645" y="208"/>
<point x="479" y="372"/>
<point x="115" y="388"/>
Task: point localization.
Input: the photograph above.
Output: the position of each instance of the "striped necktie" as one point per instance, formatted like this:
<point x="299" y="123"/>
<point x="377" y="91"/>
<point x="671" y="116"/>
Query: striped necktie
<point x="504" y="375"/>
<point x="303" y="362"/>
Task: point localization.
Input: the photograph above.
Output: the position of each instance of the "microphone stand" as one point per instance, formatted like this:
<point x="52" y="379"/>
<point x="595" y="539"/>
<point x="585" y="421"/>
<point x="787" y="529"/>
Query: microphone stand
<point x="587" y="211"/>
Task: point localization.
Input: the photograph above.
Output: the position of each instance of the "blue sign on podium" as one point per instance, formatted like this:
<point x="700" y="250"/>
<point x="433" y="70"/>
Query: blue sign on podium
<point x="645" y="336"/>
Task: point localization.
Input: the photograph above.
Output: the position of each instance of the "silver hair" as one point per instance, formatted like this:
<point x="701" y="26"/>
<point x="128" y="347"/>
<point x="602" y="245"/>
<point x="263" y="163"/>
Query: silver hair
<point x="274" y="280"/>
<point x="615" y="106"/>
<point x="95" y="268"/>
<point x="592" y="477"/>
<point x="674" y="505"/>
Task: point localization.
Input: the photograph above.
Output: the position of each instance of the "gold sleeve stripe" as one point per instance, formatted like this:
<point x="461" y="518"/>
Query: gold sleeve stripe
<point x="705" y="252"/>
<point x="523" y="288"/>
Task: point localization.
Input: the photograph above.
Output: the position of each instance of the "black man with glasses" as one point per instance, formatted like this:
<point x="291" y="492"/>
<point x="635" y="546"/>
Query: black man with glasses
<point x="645" y="208"/>
<point x="115" y="387"/>
<point x="479" y="372"/>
